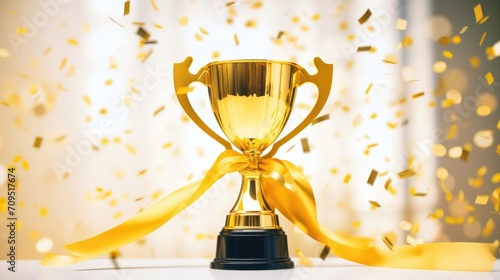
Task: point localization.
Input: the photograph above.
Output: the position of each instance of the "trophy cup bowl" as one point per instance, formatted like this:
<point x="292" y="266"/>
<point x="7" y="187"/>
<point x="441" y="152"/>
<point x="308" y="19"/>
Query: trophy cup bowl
<point x="252" y="101"/>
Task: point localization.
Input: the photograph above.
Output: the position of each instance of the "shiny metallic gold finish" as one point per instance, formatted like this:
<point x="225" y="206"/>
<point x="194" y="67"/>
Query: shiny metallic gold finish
<point x="252" y="101"/>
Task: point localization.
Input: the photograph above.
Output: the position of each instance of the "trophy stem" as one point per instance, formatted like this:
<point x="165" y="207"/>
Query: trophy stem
<point x="251" y="209"/>
<point x="252" y="238"/>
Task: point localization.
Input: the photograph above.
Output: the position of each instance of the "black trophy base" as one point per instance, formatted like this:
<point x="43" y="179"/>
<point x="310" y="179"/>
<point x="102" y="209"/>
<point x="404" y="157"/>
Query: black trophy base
<point x="248" y="249"/>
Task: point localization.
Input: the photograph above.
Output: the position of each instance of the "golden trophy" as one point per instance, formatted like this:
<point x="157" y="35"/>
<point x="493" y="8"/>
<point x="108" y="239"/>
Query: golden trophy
<point x="252" y="101"/>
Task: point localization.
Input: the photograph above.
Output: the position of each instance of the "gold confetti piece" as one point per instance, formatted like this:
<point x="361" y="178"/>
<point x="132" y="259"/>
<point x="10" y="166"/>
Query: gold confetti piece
<point x="392" y="125"/>
<point x="365" y="17"/>
<point x="142" y="172"/>
<point x="63" y="63"/>
<point x="72" y="41"/>
<point x="442" y="173"/>
<point x="203" y="30"/>
<point x="444" y="40"/>
<point x="439" y="150"/>
<point x="401" y="24"/>
<point x="304" y="260"/>
<point x="198" y="37"/>
<point x="388" y="184"/>
<point x="482" y="171"/>
<point x="256" y="5"/>
<point x="126" y="8"/>
<point x="413" y="192"/>
<point x="437" y="214"/>
<point x="87" y="100"/>
<point x="417" y="95"/>
<point x="484" y="20"/>
<point x="140" y="23"/>
<point x="320" y="119"/>
<point x="390" y="239"/>
<point x="184" y="90"/>
<point x="347" y="178"/>
<point x="357" y="120"/>
<point x="372" y="177"/>
<point x="462" y="31"/>
<point x="21" y="30"/>
<point x="413" y="242"/>
<point x="483" y="111"/>
<point x="368" y="88"/>
<point x="153" y="4"/>
<point x="465" y="154"/>
<point x="183" y="21"/>
<point x="60" y="138"/>
<point x="391" y="59"/>
<point x="489" y="227"/>
<point x="482" y="199"/>
<point x="130" y="149"/>
<point x="489" y="78"/>
<point x="404" y="225"/>
<point x="305" y="145"/>
<point x="483" y="138"/>
<point x="167" y="145"/>
<point x="324" y="253"/>
<point x="482" y="38"/>
<point x="236" y="40"/>
<point x="374" y="203"/>
<point x="478" y="13"/>
<point x="4" y="53"/>
<point x="115" y="22"/>
<point x="364" y="49"/>
<point x="251" y="23"/>
<point x="451" y="132"/>
<point x="143" y="33"/>
<point x="108" y="82"/>
<point x="439" y="67"/>
<point x="33" y="89"/>
<point x="495" y="178"/>
<point x="456" y="39"/>
<point x="158" y="110"/>
<point x="38" y="142"/>
<point x="406" y="173"/>
<point x="447" y="54"/>
<point x="25" y="164"/>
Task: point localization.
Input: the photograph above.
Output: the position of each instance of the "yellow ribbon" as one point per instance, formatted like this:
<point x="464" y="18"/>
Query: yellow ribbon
<point x="296" y="204"/>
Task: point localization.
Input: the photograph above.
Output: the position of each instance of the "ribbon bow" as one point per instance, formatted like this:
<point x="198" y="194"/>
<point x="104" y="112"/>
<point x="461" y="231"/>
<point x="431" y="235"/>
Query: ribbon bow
<point x="298" y="205"/>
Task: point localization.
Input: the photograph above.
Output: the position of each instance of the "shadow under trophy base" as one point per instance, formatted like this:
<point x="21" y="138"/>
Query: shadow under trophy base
<point x="252" y="101"/>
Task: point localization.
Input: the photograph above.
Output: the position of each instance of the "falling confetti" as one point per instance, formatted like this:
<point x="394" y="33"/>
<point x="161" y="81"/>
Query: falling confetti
<point x="364" y="49"/>
<point x="324" y="253"/>
<point x="126" y="8"/>
<point x="401" y="24"/>
<point x="305" y="145"/>
<point x="38" y="142"/>
<point x="320" y="119"/>
<point x="143" y="33"/>
<point x="451" y="132"/>
<point x="365" y="17"/>
<point x="374" y="203"/>
<point x="489" y="78"/>
<point x="372" y="177"/>
<point x="153" y="4"/>
<point x="482" y="38"/>
<point x="417" y="95"/>
<point x="347" y="178"/>
<point x="482" y="199"/>
<point x="236" y="40"/>
<point x="157" y="111"/>
<point x="390" y="239"/>
<point x="406" y="173"/>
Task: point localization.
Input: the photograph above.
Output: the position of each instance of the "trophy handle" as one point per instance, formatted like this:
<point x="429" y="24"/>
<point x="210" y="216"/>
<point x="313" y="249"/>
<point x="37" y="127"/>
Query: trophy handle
<point x="323" y="80"/>
<point x="182" y="79"/>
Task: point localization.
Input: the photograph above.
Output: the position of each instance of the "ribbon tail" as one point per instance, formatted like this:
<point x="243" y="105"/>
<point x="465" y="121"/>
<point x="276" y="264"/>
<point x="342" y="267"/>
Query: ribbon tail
<point x="301" y="211"/>
<point x="148" y="220"/>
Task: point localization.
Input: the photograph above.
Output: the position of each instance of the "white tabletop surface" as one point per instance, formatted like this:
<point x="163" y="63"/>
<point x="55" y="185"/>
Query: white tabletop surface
<point x="150" y="269"/>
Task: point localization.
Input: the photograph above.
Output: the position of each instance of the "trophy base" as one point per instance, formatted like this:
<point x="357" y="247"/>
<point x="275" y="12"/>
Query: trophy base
<point x="251" y="249"/>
